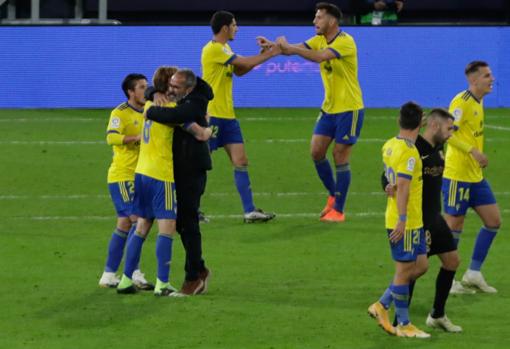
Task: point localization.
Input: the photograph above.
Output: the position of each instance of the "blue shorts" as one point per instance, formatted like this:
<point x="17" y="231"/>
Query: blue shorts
<point x="122" y="194"/>
<point x="225" y="131"/>
<point x="459" y="196"/>
<point x="345" y="127"/>
<point x="410" y="246"/>
<point x="154" y="198"/>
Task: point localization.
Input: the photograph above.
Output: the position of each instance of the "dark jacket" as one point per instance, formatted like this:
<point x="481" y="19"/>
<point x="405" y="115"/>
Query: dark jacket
<point x="189" y="154"/>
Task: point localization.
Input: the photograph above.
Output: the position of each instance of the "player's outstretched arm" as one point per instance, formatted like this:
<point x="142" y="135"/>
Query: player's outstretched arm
<point x="301" y="50"/>
<point x="243" y="65"/>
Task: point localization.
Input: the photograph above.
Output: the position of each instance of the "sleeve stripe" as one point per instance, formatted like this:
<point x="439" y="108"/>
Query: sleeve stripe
<point x="234" y="56"/>
<point x="113" y="131"/>
<point x="404" y="175"/>
<point x="337" y="54"/>
<point x="307" y="46"/>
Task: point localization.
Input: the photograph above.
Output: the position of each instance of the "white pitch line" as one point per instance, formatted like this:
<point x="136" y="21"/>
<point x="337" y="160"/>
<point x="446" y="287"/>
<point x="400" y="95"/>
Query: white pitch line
<point x="214" y="194"/>
<point x="212" y="216"/>
<point x="70" y="119"/>
<point x="501" y="128"/>
<point x="52" y="142"/>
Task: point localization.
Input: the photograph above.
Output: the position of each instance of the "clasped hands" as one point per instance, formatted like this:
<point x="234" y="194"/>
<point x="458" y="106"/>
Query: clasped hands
<point x="281" y="44"/>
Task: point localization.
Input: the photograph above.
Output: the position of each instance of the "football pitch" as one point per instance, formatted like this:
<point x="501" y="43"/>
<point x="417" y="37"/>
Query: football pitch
<point x="292" y="283"/>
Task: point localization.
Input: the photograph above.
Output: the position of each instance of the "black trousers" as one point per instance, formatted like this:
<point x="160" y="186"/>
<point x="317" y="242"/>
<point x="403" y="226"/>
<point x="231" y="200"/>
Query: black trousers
<point x="189" y="188"/>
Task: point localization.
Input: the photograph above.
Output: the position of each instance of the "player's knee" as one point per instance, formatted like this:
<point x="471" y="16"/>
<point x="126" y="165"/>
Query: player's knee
<point x="495" y="223"/>
<point x="124" y="224"/>
<point x="421" y="268"/>
<point x="317" y="154"/>
<point x="452" y="262"/>
<point x="340" y="157"/>
<point x="240" y="162"/>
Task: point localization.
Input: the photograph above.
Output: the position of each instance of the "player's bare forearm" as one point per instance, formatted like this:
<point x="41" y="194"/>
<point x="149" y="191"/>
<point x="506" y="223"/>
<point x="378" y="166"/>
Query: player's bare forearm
<point x="311" y="55"/>
<point x="403" y="187"/>
<point x="131" y="139"/>
<point x="243" y="65"/>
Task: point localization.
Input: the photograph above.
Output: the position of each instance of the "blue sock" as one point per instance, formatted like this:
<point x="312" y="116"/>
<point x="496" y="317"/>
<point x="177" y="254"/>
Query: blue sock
<point x="164" y="255"/>
<point x="326" y="175"/>
<point x="133" y="252"/>
<point x="456" y="237"/>
<point x="400" y="295"/>
<point x="482" y="246"/>
<point x="130" y="235"/>
<point x="115" y="250"/>
<point x="243" y="185"/>
<point x="386" y="299"/>
<point x="343" y="181"/>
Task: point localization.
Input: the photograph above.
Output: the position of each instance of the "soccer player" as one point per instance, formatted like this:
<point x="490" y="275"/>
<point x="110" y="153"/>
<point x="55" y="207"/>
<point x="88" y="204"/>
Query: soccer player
<point x="438" y="236"/>
<point x="192" y="160"/>
<point x="403" y="169"/>
<point x="154" y="197"/>
<point x="219" y="64"/>
<point x="341" y="116"/>
<point x="463" y="182"/>
<point x="123" y="134"/>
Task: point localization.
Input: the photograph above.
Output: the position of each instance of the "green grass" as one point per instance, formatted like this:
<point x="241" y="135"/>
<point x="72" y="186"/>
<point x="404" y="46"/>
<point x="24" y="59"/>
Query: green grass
<point x="291" y="283"/>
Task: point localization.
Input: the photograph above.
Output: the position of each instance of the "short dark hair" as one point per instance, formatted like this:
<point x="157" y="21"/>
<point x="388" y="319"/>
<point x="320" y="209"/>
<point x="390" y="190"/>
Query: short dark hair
<point x="220" y="19"/>
<point x="130" y="81"/>
<point x="410" y="116"/>
<point x="189" y="77"/>
<point x="441" y="113"/>
<point x="330" y="9"/>
<point x="474" y="66"/>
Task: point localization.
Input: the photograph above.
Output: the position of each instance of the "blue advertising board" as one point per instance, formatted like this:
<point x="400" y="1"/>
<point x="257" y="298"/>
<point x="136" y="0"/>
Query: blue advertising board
<point x="82" y="67"/>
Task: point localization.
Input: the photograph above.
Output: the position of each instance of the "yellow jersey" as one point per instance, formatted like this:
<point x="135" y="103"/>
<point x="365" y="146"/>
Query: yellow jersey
<point x="401" y="159"/>
<point x="124" y="121"/>
<point x="156" y="158"/>
<point x="468" y="134"/>
<point x="339" y="75"/>
<point x="218" y="72"/>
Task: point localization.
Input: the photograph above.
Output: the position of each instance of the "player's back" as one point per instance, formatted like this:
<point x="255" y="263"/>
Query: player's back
<point x="156" y="158"/>
<point x="342" y="91"/>
<point x="218" y="73"/>
<point x="126" y="121"/>
<point x="469" y="126"/>
<point x="401" y="159"/>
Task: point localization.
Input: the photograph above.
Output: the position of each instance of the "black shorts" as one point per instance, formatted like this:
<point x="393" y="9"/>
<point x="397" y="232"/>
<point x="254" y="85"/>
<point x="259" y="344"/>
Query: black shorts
<point x="438" y="236"/>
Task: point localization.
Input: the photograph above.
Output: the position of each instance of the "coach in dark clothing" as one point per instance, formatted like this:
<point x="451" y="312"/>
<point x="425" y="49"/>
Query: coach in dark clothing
<point x="192" y="160"/>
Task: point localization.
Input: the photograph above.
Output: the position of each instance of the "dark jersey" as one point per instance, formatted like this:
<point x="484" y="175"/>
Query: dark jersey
<point x="433" y="166"/>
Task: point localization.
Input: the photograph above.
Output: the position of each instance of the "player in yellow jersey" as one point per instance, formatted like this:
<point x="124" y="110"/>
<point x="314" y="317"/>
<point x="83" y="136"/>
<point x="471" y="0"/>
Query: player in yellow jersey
<point x="404" y="224"/>
<point x="219" y="64"/>
<point x="342" y="113"/>
<point x="123" y="134"/>
<point x="154" y="196"/>
<point x="463" y="182"/>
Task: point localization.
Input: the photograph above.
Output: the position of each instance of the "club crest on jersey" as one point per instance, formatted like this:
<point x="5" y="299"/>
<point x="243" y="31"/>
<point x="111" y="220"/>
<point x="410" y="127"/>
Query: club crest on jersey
<point x="457" y="114"/>
<point x="410" y="164"/>
<point x="227" y="51"/>
<point x="115" y="122"/>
